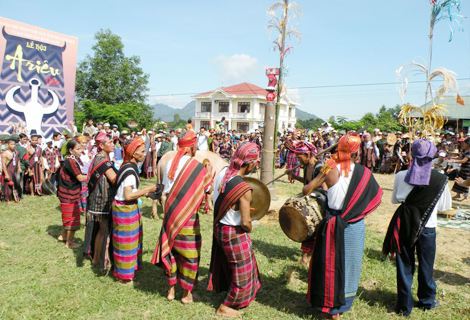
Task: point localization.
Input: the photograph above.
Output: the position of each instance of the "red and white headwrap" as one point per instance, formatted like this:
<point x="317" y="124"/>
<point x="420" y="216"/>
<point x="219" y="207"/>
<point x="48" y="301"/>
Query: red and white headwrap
<point x="304" y="147"/>
<point x="130" y="146"/>
<point x="184" y="144"/>
<point x="347" y="145"/>
<point x="100" y="139"/>
<point x="245" y="153"/>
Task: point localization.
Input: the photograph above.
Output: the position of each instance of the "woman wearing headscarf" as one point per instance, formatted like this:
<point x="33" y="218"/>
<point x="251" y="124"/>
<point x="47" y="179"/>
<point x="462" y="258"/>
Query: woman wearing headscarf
<point x="233" y="265"/>
<point x="127" y="220"/>
<point x="69" y="193"/>
<point x="292" y="160"/>
<point x="98" y="228"/>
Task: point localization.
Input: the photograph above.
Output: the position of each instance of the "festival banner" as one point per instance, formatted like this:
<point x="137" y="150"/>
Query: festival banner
<point x="37" y="79"/>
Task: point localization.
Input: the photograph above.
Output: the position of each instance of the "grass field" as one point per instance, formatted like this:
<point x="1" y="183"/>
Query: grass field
<point x="41" y="279"/>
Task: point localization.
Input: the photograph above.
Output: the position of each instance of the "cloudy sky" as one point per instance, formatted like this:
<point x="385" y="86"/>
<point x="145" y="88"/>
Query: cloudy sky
<point x="344" y="65"/>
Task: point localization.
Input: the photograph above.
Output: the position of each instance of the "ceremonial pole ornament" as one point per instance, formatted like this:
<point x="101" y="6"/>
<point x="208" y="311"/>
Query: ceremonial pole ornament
<point x="289" y="12"/>
<point x="434" y="118"/>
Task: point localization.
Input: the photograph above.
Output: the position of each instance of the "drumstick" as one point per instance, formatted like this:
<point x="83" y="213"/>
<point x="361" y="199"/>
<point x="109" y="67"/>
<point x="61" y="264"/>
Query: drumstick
<point x="319" y="153"/>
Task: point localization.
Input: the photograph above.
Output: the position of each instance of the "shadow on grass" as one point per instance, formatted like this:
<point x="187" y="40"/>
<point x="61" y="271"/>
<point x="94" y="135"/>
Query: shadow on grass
<point x="450" y="278"/>
<point x="274" y="252"/>
<point x="274" y="292"/>
<point x="375" y="254"/>
<point x="378" y="297"/>
<point x="55" y="230"/>
<point x="146" y="211"/>
<point x="153" y="280"/>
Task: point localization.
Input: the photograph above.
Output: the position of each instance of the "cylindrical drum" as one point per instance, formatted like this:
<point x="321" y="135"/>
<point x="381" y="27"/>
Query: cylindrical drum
<point x="301" y="214"/>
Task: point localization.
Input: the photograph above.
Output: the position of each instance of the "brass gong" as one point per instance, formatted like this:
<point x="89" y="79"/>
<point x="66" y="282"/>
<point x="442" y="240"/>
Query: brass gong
<point x="260" y="198"/>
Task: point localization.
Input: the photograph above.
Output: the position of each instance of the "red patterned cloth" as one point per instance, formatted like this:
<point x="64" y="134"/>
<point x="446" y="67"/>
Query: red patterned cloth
<point x="70" y="215"/>
<point x="243" y="269"/>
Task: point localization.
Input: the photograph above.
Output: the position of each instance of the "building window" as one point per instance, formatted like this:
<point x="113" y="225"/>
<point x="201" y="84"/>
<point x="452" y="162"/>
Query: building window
<point x="206" y="106"/>
<point x="223" y="106"/>
<point x="243" y="127"/>
<point x="206" y="124"/>
<point x="243" y="107"/>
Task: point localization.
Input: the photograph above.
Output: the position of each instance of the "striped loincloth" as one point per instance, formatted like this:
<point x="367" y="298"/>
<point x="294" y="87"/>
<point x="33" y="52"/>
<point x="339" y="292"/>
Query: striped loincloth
<point x="70" y="215"/>
<point x="244" y="279"/>
<point x="127" y="239"/>
<point x="83" y="197"/>
<point x="185" y="255"/>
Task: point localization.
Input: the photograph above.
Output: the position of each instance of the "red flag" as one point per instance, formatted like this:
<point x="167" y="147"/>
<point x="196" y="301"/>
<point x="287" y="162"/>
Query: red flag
<point x="460" y="100"/>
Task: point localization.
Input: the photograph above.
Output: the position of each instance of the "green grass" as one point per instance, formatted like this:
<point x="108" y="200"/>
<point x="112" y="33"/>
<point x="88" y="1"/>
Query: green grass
<point x="41" y="279"/>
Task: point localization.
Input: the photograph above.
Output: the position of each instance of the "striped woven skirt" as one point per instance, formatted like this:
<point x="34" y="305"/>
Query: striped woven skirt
<point x="70" y="215"/>
<point x="185" y="255"/>
<point x="292" y="161"/>
<point x="464" y="173"/>
<point x="354" y="238"/>
<point x="127" y="239"/>
<point x="83" y="197"/>
<point x="245" y="279"/>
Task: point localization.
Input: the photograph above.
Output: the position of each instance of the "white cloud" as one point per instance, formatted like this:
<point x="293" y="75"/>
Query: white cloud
<point x="237" y="68"/>
<point x="171" y="101"/>
<point x="294" y="95"/>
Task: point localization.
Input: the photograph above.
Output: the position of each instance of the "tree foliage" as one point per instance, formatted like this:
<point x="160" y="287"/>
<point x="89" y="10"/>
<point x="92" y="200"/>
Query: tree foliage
<point x="109" y="76"/>
<point x="386" y="120"/>
<point x="120" y="114"/>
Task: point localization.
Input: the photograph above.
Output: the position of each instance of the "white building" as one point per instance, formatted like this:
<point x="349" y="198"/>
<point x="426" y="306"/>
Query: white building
<point x="242" y="105"/>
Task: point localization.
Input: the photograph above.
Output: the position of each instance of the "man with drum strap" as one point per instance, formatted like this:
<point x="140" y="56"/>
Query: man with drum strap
<point x="233" y="265"/>
<point x="422" y="192"/>
<point x="305" y="152"/>
<point x="353" y="193"/>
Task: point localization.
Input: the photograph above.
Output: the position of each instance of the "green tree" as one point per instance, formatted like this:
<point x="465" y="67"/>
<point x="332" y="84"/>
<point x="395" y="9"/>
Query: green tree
<point x="109" y="76"/>
<point x="120" y="114"/>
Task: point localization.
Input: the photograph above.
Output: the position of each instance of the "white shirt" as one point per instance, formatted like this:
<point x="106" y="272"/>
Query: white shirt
<point x="401" y="189"/>
<point x="174" y="139"/>
<point x="167" y="183"/>
<point x="202" y="142"/>
<point x="158" y="144"/>
<point x="337" y="193"/>
<point x="128" y="182"/>
<point x="232" y="217"/>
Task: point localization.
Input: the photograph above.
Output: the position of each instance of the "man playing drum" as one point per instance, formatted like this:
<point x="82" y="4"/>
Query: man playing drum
<point x="233" y="265"/>
<point x="353" y="193"/>
<point x="305" y="152"/>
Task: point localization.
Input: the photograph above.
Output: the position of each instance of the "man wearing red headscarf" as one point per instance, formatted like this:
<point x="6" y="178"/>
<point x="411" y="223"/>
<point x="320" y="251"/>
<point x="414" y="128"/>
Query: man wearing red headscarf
<point x="353" y="193"/>
<point x="178" y="249"/>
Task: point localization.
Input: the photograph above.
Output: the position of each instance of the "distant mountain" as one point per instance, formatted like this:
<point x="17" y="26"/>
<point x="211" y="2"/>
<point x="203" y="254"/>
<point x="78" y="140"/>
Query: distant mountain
<point x="303" y="115"/>
<point x="166" y="113"/>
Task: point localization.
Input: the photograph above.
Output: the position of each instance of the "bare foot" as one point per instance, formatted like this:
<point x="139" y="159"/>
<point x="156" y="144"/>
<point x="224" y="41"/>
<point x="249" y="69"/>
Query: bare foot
<point x="61" y="238"/>
<point x="129" y="282"/>
<point x="188" y="297"/>
<point x="457" y="196"/>
<point x="72" y="245"/>
<point x="304" y="261"/>
<point x="171" y="294"/>
<point x="465" y="199"/>
<point x="227" y="312"/>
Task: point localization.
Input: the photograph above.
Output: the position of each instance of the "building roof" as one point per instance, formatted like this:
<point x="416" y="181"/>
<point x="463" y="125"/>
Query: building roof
<point x="241" y="89"/>
<point x="456" y="111"/>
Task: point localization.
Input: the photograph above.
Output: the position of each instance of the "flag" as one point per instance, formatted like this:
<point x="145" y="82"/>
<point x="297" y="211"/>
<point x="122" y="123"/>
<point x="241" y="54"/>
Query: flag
<point x="460" y="100"/>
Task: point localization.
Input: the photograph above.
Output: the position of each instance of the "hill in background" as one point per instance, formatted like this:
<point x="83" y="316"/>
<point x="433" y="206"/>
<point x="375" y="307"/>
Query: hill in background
<point x="166" y="113"/>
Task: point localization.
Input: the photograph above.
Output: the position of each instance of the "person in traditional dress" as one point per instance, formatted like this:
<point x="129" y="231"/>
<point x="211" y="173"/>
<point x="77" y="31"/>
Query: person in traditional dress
<point x="225" y="149"/>
<point x="50" y="162"/>
<point x="35" y="173"/>
<point x="369" y="153"/>
<point x="69" y="193"/>
<point x="422" y="192"/>
<point x="464" y="171"/>
<point x="148" y="169"/>
<point x="21" y="147"/>
<point x="178" y="248"/>
<point x="353" y="193"/>
<point x="292" y="160"/>
<point x="233" y="266"/>
<point x="101" y="176"/>
<point x="85" y="161"/>
<point x="305" y="152"/>
<point x="127" y="232"/>
<point x="10" y="169"/>
<point x="386" y="158"/>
